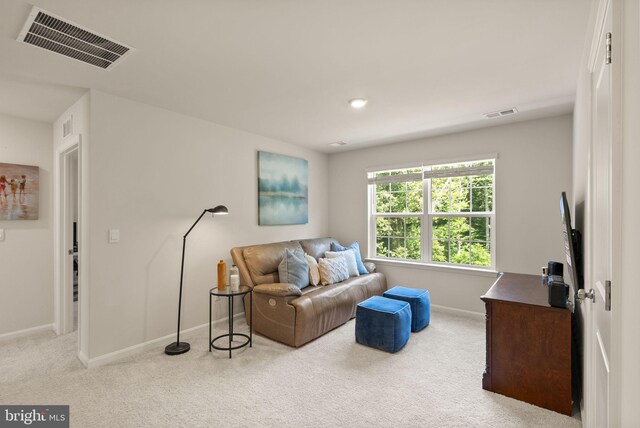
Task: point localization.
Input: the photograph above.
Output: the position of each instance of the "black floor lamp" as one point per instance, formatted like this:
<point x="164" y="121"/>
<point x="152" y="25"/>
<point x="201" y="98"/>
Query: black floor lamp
<point x="177" y="347"/>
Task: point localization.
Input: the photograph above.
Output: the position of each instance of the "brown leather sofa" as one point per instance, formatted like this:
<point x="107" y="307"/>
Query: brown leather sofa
<point x="288" y="314"/>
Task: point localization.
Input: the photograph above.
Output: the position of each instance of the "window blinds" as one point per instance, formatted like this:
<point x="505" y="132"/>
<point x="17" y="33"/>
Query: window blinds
<point x="400" y="178"/>
<point x="459" y="172"/>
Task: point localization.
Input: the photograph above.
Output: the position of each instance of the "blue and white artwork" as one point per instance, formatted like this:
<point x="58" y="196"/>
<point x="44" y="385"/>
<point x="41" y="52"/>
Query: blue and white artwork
<point x="283" y="189"/>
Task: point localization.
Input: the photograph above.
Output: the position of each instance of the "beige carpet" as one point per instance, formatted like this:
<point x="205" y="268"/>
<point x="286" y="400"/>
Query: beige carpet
<point x="435" y="381"/>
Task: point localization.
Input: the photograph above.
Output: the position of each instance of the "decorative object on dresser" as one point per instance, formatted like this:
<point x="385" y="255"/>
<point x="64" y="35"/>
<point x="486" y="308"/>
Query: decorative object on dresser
<point x="528" y="343"/>
<point x="177" y="347"/>
<point x="283" y="188"/>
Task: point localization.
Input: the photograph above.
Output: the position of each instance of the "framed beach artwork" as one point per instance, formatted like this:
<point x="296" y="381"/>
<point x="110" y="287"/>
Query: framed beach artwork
<point x="283" y="189"/>
<point x="19" y="191"/>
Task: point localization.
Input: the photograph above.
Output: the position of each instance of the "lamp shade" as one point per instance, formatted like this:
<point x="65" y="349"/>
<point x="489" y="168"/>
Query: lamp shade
<point x="219" y="210"/>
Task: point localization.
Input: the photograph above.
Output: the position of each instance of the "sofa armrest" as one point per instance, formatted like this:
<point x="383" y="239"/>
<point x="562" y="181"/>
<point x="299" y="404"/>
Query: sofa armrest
<point x="371" y="267"/>
<point x="278" y="289"/>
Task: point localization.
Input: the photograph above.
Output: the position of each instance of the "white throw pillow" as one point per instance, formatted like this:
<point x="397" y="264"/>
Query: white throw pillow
<point x="333" y="270"/>
<point x="349" y="257"/>
<point x="314" y="271"/>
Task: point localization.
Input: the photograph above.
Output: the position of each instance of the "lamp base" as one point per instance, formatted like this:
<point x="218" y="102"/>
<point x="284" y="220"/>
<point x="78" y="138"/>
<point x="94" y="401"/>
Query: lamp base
<point x="177" y="348"/>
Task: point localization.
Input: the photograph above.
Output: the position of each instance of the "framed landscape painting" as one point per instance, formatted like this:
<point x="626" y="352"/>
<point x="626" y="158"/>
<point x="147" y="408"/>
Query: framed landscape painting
<point x="19" y="191"/>
<point x="283" y="188"/>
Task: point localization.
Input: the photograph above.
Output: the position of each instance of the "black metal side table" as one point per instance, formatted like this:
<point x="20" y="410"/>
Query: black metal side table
<point x="229" y="294"/>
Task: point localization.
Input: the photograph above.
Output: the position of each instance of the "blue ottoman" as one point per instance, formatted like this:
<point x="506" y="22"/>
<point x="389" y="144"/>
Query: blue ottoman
<point x="383" y="323"/>
<point x="419" y="300"/>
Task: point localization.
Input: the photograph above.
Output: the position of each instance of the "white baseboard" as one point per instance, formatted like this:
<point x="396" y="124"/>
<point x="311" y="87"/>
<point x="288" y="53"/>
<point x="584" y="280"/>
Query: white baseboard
<point x="83" y="359"/>
<point x="145" y="346"/>
<point x="25" y="332"/>
<point x="463" y="312"/>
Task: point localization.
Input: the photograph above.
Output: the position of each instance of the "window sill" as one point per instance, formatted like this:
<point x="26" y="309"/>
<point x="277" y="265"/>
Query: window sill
<point x="430" y="266"/>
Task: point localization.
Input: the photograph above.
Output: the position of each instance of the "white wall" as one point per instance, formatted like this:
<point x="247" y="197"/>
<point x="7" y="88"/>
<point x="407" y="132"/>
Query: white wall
<point x="152" y="172"/>
<point x="533" y="167"/>
<point x="26" y="268"/>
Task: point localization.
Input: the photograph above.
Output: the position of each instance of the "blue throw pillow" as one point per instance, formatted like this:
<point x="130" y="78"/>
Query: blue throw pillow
<point x="356" y="249"/>
<point x="294" y="269"/>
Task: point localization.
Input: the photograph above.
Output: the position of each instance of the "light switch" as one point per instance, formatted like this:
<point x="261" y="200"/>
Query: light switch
<point x="114" y="236"/>
<point x="1" y="234"/>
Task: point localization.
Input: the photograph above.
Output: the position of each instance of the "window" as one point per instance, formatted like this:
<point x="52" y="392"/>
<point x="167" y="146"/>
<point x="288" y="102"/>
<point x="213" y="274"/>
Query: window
<point x="441" y="214"/>
<point x="398" y="212"/>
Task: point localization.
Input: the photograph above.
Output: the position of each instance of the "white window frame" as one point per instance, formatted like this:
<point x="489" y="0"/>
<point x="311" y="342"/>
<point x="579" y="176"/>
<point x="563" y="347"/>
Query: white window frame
<point x="427" y="215"/>
<point x="374" y="215"/>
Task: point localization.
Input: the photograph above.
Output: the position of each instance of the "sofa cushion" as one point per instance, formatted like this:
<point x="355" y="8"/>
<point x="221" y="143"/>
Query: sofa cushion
<point x="317" y="247"/>
<point x="294" y="269"/>
<point x="321" y="309"/>
<point x="349" y="257"/>
<point x="333" y="270"/>
<point x="356" y="249"/>
<point x="262" y="260"/>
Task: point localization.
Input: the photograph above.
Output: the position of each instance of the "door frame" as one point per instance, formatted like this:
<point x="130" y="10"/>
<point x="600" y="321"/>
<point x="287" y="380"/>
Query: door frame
<point x="62" y="231"/>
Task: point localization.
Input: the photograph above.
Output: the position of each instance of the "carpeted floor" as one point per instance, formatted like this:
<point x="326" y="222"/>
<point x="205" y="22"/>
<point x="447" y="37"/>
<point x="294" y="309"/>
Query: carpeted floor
<point x="435" y="381"/>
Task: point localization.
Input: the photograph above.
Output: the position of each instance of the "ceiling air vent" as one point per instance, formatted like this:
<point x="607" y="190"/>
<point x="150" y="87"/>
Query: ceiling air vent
<point x="495" y="114"/>
<point x="56" y="34"/>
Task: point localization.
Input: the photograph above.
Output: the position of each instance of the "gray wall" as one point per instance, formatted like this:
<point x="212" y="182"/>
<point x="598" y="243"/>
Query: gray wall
<point x="533" y="167"/>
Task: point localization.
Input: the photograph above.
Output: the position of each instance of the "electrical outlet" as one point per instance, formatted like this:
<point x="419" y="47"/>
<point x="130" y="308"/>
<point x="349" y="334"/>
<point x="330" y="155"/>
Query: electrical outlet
<point x="1" y="234"/>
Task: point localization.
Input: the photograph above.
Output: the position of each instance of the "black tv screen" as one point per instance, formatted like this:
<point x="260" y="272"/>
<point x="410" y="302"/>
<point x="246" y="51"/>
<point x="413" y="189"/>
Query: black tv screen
<point x="571" y="242"/>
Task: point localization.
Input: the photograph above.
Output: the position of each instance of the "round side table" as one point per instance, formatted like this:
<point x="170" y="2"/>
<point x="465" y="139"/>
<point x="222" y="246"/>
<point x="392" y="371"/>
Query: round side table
<point x="229" y="294"/>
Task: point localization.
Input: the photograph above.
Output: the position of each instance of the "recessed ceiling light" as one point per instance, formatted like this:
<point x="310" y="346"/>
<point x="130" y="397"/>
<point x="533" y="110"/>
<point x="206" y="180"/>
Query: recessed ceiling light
<point x="358" y="102"/>
<point x="338" y="144"/>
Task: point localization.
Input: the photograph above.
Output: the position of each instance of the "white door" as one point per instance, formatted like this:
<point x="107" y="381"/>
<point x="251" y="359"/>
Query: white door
<point x="599" y="373"/>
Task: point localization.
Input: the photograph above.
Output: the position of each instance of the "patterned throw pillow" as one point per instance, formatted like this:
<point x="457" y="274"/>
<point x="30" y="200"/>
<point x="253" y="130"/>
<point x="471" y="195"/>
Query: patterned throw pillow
<point x="356" y="249"/>
<point x="294" y="269"/>
<point x="349" y="257"/>
<point x="333" y="270"/>
<point x="314" y="271"/>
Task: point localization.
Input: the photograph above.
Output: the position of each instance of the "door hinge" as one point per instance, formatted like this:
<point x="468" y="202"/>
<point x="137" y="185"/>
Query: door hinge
<point x="607" y="59"/>
<point x="607" y="295"/>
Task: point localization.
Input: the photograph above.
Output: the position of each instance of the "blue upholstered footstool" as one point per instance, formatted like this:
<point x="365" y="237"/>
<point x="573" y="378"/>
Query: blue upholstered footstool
<point x="383" y="323"/>
<point x="419" y="300"/>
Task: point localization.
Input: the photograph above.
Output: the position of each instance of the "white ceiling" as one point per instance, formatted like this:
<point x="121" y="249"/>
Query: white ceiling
<point x="286" y="68"/>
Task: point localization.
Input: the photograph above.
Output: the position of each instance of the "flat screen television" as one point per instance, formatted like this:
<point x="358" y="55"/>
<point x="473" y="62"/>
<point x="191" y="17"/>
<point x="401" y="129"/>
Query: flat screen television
<point x="572" y="245"/>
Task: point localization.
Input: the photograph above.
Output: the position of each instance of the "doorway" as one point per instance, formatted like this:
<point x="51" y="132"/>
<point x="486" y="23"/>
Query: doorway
<point x="69" y="286"/>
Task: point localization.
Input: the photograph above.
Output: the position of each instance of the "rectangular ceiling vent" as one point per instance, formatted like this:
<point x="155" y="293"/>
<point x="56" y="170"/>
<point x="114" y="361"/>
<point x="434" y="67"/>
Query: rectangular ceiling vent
<point x="500" y="113"/>
<point x="50" y="32"/>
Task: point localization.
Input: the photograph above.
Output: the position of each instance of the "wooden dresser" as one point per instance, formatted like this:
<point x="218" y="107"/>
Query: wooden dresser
<point x="528" y="343"/>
